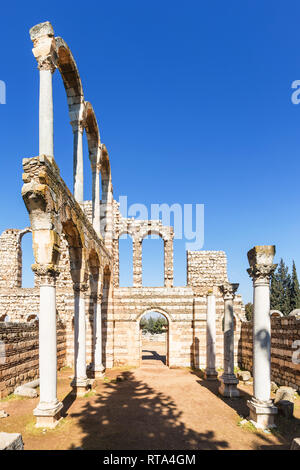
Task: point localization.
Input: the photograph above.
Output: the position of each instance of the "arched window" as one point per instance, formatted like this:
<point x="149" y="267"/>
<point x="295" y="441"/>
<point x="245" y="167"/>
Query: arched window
<point x="27" y="259"/>
<point x="125" y="261"/>
<point x="153" y="261"/>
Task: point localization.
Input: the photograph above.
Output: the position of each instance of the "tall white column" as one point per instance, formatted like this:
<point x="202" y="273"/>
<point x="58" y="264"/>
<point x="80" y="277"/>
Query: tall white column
<point x="48" y="410"/>
<point x="78" y="128"/>
<point x="229" y="381"/>
<point x="98" y="364"/>
<point x="262" y="410"/>
<point x="210" y="371"/>
<point x="46" y="113"/>
<point x="80" y="381"/>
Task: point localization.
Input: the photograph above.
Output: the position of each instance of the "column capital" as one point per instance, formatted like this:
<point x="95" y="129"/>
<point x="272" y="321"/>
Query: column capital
<point x="47" y="274"/>
<point x="261" y="263"/>
<point x="228" y="290"/>
<point x="261" y="272"/>
<point x="44" y="46"/>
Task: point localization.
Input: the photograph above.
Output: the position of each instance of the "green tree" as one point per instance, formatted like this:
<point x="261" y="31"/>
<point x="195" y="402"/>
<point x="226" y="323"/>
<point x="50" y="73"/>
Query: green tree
<point x="295" y="290"/>
<point x="281" y="289"/>
<point x="249" y="311"/>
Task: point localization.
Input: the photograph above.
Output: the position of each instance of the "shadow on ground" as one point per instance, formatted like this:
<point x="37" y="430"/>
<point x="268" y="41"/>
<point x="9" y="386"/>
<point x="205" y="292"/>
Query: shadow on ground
<point x="131" y="415"/>
<point x="153" y="356"/>
<point x="287" y="428"/>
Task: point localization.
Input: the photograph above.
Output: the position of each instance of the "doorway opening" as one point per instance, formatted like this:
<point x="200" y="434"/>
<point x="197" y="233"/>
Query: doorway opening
<point x="154" y="339"/>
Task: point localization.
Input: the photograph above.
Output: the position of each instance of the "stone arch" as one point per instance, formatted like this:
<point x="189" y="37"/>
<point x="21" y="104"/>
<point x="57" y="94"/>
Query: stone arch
<point x="32" y="318"/>
<point x="69" y="72"/>
<point x="275" y="314"/>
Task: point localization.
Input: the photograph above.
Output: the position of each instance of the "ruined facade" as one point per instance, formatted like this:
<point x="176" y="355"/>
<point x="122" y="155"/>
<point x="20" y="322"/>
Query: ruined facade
<point x="76" y="250"/>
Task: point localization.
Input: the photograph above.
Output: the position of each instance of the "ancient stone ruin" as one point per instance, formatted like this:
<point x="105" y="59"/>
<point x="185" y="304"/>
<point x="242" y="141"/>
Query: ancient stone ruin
<point x="77" y="314"/>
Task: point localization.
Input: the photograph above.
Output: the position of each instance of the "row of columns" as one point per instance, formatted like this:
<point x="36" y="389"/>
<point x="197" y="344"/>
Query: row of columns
<point x="48" y="410"/>
<point x="262" y="410"/>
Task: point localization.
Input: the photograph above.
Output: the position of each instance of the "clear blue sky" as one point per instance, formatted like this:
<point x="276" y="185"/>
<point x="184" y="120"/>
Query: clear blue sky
<point x="194" y="104"/>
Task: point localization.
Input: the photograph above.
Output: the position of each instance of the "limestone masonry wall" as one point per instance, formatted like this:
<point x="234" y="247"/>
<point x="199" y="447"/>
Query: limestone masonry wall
<point x="284" y="332"/>
<point x="19" y="354"/>
<point x="206" y="269"/>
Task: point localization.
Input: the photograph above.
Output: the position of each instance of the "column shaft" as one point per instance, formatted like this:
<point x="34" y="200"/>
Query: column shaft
<point x="210" y="372"/>
<point x="98" y="365"/>
<point x="46" y="114"/>
<point x="78" y="162"/>
<point x="262" y="343"/>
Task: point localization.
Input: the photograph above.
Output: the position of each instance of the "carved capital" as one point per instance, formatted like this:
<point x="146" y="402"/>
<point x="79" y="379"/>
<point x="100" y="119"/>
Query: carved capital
<point x="44" y="50"/>
<point x="229" y="290"/>
<point x="261" y="272"/>
<point x="47" y="274"/>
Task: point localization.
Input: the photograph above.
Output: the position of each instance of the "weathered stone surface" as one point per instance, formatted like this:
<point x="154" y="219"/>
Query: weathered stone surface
<point x="285" y="408"/>
<point x="285" y="393"/>
<point x="11" y="441"/>
<point x="244" y="375"/>
<point x="295" y="444"/>
<point x="24" y="391"/>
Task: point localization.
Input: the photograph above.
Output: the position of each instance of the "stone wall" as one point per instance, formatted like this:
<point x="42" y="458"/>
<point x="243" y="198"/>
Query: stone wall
<point x="19" y="354"/>
<point x="206" y="269"/>
<point x="186" y="314"/>
<point x="284" y="331"/>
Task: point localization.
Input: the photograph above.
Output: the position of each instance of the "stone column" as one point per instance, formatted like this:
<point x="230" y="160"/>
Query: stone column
<point x="210" y="371"/>
<point x="96" y="197"/>
<point x="262" y="410"/>
<point x="78" y="128"/>
<point x="168" y="263"/>
<point x="80" y="381"/>
<point x="98" y="365"/>
<point x="137" y="262"/>
<point x="44" y="51"/>
<point x="48" y="410"/>
<point x="229" y="381"/>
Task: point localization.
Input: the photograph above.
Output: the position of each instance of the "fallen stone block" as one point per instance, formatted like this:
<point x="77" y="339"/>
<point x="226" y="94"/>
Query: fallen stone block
<point x="11" y="441"/>
<point x="274" y="387"/>
<point x="295" y="444"/>
<point x="23" y="391"/>
<point x="285" y="408"/>
<point x="285" y="393"/>
<point x="3" y="414"/>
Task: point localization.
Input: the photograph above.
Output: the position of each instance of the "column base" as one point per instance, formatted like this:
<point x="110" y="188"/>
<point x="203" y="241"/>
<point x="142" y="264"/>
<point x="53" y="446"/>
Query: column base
<point x="210" y="374"/>
<point x="80" y="386"/>
<point x="228" y="387"/>
<point x="47" y="415"/>
<point x="262" y="413"/>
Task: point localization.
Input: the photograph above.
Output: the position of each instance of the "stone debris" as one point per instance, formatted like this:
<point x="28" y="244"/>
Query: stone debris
<point x="295" y="444"/>
<point x="285" y="408"/>
<point x="11" y="441"/>
<point x="286" y="394"/>
<point x="244" y="375"/>
<point x="3" y="414"/>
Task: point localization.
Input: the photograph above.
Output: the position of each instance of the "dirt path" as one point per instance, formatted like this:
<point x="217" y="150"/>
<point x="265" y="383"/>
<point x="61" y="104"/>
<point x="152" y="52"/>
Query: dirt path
<point x="147" y="408"/>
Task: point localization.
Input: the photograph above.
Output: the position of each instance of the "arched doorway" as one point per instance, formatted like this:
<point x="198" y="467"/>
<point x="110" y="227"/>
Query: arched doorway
<point x="154" y="339"/>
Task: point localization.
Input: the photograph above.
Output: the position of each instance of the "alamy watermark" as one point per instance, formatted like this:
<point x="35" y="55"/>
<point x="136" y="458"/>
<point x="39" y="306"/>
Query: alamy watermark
<point x="2" y="92"/>
<point x="187" y="219"/>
